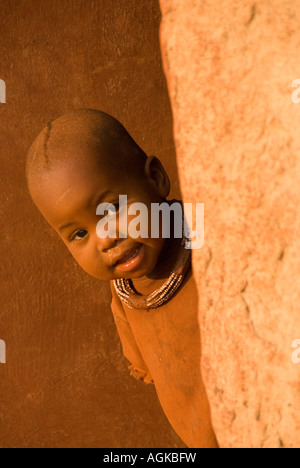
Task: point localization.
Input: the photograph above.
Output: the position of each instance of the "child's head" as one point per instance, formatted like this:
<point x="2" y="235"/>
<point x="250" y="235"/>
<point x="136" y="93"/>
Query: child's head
<point x="85" y="158"/>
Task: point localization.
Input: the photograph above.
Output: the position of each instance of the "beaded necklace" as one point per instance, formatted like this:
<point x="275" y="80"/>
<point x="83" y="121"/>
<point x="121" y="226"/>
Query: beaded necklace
<point x="134" y="300"/>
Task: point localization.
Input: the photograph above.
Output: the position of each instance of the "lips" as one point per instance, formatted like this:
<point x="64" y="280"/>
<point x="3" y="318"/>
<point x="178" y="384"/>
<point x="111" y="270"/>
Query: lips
<point x="127" y="256"/>
<point x="130" y="260"/>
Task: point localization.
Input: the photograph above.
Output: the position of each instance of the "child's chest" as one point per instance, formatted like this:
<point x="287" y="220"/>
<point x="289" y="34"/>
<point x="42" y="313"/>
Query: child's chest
<point x="168" y="337"/>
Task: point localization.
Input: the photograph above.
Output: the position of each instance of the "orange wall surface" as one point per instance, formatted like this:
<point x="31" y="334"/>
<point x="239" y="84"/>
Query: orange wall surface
<point x="65" y="382"/>
<point x="231" y="68"/>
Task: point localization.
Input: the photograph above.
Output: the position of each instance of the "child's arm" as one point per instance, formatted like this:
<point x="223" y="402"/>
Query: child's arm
<point x="138" y="368"/>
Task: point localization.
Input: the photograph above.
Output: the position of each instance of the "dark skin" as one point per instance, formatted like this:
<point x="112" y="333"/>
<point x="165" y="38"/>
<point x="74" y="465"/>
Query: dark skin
<point x="71" y="192"/>
<point x="68" y="193"/>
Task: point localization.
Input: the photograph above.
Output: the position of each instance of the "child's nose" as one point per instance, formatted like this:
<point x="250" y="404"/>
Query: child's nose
<point x="104" y="245"/>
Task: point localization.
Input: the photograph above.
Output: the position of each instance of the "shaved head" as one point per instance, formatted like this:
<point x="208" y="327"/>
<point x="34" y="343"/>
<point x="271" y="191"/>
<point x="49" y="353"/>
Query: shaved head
<point x="78" y="134"/>
<point x="83" y="159"/>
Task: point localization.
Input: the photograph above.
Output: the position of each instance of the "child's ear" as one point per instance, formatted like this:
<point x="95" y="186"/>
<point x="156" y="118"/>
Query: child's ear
<point x="157" y="176"/>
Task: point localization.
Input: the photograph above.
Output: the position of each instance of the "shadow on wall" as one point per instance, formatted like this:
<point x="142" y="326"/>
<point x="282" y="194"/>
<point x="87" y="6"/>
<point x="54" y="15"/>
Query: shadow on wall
<point x="66" y="383"/>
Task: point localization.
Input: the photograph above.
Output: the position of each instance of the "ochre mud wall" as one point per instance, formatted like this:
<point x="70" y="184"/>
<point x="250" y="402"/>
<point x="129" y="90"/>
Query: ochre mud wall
<point x="230" y="67"/>
<point x="65" y="382"/>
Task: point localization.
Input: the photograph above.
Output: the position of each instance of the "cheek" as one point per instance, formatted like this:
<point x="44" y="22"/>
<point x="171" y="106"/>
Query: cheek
<point x="135" y="223"/>
<point x="89" y="263"/>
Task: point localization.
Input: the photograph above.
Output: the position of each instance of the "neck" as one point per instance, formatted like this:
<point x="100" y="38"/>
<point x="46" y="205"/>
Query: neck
<point x="172" y="248"/>
<point x="170" y="253"/>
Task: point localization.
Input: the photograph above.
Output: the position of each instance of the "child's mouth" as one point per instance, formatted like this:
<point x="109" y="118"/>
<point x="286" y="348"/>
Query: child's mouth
<point x="131" y="259"/>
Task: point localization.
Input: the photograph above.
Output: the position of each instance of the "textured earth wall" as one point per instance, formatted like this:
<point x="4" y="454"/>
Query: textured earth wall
<point x="65" y="382"/>
<point x="230" y="67"/>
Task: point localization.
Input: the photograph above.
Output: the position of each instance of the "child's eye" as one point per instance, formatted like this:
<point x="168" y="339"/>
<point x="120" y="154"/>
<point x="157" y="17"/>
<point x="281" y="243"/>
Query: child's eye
<point x="111" y="211"/>
<point x="78" y="235"/>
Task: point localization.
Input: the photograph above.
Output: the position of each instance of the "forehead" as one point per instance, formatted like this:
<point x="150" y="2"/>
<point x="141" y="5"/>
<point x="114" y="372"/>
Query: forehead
<point x="71" y="186"/>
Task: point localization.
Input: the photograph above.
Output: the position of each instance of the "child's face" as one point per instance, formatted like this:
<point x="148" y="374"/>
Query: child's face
<point x="68" y="200"/>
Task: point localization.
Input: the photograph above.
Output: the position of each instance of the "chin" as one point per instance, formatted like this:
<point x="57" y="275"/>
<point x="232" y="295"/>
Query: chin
<point x="133" y="274"/>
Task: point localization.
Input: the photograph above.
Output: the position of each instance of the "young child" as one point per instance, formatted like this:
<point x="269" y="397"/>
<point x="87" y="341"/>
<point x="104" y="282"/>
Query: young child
<point x="85" y="158"/>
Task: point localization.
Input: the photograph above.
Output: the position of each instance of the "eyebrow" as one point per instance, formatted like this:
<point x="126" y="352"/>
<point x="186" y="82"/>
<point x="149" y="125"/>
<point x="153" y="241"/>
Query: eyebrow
<point x="65" y="226"/>
<point x="99" y="198"/>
